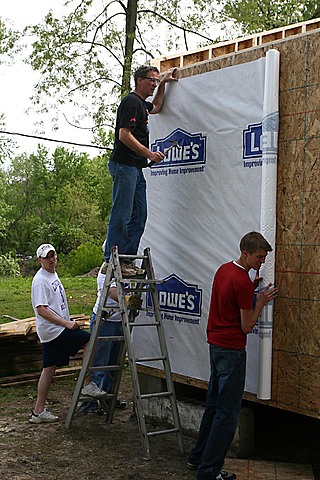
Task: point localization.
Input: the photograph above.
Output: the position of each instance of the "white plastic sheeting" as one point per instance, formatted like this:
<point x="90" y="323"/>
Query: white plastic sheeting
<point x="270" y="122"/>
<point x="202" y="199"/>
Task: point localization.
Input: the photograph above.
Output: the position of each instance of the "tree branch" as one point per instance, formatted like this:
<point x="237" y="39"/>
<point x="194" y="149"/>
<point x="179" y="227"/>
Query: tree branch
<point x="87" y="128"/>
<point x="175" y="25"/>
<point x="92" y="81"/>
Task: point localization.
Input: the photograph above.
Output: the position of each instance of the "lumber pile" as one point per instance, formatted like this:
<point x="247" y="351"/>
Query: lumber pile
<point x="20" y="349"/>
<point x="28" y="325"/>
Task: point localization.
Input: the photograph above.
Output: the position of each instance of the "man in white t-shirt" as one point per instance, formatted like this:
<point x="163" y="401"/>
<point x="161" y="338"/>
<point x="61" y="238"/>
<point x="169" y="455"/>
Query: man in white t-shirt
<point x="60" y="336"/>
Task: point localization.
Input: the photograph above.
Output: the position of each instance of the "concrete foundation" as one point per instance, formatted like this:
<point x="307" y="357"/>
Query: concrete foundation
<point x="159" y="411"/>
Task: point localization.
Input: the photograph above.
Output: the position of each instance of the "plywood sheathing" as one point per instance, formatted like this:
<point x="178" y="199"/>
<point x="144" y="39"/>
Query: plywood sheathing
<point x="296" y="340"/>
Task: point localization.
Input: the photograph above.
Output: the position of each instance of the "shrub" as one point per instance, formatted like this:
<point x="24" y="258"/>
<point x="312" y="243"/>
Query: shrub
<point x="81" y="260"/>
<point x="9" y="266"/>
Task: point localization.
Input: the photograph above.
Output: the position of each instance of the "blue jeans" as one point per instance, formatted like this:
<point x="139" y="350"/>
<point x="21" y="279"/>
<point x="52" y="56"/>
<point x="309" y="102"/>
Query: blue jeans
<point x="220" y="418"/>
<point x="129" y="209"/>
<point x="107" y="353"/>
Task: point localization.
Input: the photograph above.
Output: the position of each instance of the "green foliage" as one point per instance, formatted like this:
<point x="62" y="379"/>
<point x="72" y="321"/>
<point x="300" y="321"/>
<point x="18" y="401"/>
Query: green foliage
<point x="254" y="16"/>
<point x="87" y="56"/>
<point x="83" y="259"/>
<point x="6" y="145"/>
<point x="9" y="266"/>
<point x="63" y="198"/>
<point x="8" y="39"/>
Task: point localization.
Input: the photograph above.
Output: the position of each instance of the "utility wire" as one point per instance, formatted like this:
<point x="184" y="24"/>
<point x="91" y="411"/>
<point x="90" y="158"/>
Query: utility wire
<point x="56" y="141"/>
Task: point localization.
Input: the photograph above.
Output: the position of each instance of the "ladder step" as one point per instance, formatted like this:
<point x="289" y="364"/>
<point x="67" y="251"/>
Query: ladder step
<point x="105" y="368"/>
<point x="136" y="257"/>
<point x="162" y="432"/>
<point x="156" y="395"/>
<point x="134" y="324"/>
<point x="142" y="281"/>
<point x="149" y="359"/>
<point x="109" y="396"/>
<point x="112" y="339"/>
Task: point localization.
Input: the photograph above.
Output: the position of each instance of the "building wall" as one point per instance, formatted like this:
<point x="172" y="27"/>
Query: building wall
<point x="296" y="339"/>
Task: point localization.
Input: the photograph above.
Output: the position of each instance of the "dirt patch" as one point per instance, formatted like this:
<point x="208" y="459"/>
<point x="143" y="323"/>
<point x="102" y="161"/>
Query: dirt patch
<point x="93" y="449"/>
<point x="89" y="449"/>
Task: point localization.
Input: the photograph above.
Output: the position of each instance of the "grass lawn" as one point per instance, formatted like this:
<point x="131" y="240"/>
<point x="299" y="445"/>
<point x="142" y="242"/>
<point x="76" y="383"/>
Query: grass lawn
<point x="15" y="296"/>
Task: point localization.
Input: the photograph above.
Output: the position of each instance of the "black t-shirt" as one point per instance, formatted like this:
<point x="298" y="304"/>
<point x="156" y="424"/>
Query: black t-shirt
<point x="133" y="113"/>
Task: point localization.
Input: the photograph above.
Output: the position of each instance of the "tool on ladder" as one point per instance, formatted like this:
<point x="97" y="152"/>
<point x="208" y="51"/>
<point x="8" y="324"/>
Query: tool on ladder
<point x="135" y="287"/>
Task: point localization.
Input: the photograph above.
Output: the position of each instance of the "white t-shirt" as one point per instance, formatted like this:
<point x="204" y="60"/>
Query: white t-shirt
<point x="115" y="317"/>
<point x="47" y="290"/>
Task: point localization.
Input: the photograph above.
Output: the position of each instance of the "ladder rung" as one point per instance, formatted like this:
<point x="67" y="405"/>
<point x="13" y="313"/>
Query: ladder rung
<point x="137" y="257"/>
<point x="108" y="396"/>
<point x="105" y="368"/>
<point x="137" y="290"/>
<point x="162" y="432"/>
<point x="156" y="395"/>
<point x="143" y="281"/>
<point x="108" y="338"/>
<point x="134" y="324"/>
<point x="110" y="310"/>
<point x="149" y="359"/>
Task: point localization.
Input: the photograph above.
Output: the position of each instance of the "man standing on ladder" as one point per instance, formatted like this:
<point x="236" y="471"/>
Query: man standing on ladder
<point x="130" y="155"/>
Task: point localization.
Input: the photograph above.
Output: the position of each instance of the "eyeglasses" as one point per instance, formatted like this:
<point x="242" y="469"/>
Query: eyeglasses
<point x="153" y="80"/>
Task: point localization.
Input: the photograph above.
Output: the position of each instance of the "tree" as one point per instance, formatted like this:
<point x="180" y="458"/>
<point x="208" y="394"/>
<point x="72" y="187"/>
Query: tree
<point x="253" y="16"/>
<point x="55" y="198"/>
<point x="87" y="57"/>
<point x="8" y="39"/>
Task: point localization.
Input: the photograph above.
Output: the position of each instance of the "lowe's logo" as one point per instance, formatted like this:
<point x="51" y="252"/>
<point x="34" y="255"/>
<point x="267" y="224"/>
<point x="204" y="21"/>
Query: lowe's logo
<point x="261" y="138"/>
<point x="252" y="141"/>
<point x="181" y="148"/>
<point x="177" y="296"/>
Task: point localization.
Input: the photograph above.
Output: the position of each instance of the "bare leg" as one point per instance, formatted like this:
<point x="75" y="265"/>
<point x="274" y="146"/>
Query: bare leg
<point x="43" y="388"/>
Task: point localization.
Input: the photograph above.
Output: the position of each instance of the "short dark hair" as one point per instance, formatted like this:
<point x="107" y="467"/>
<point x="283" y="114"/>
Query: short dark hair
<point x="143" y="71"/>
<point x="253" y="241"/>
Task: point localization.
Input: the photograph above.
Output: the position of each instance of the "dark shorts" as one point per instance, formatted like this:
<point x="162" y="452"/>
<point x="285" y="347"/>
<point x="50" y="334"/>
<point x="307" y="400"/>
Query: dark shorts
<point x="68" y="343"/>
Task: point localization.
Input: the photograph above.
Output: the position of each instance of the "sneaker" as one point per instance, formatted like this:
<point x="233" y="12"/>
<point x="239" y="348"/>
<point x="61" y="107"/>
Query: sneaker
<point x="121" y="403"/>
<point x="44" y="417"/>
<point x="130" y="270"/>
<point x="92" y="390"/>
<point x="91" y="408"/>
<point x="224" y="475"/>
<point x="191" y="466"/>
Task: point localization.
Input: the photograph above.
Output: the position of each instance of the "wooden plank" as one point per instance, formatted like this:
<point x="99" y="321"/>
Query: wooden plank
<point x="10" y="381"/>
<point x="216" y="50"/>
<point x="28" y="325"/>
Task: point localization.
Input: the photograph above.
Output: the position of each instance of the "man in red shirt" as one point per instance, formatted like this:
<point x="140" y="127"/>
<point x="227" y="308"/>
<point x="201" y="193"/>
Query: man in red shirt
<point x="231" y="317"/>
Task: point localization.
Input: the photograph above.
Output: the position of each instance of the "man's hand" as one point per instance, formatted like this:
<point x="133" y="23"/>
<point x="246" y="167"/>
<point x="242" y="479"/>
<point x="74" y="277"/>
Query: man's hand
<point x="267" y="295"/>
<point x="156" y="157"/>
<point x="71" y="325"/>
<point x="169" y="75"/>
<point x="134" y="303"/>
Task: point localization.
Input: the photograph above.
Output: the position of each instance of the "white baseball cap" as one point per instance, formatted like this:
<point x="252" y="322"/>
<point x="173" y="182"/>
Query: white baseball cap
<point x="44" y="249"/>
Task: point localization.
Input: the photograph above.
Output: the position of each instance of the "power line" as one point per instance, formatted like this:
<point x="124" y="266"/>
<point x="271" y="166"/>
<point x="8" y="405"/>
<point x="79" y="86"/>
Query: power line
<point x="56" y="141"/>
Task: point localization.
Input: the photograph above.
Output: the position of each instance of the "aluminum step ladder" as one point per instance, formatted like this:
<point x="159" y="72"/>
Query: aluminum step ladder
<point x="144" y="285"/>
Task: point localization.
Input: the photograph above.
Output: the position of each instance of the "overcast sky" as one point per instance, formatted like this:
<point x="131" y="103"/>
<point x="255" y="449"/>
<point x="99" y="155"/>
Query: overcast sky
<point x="16" y="82"/>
